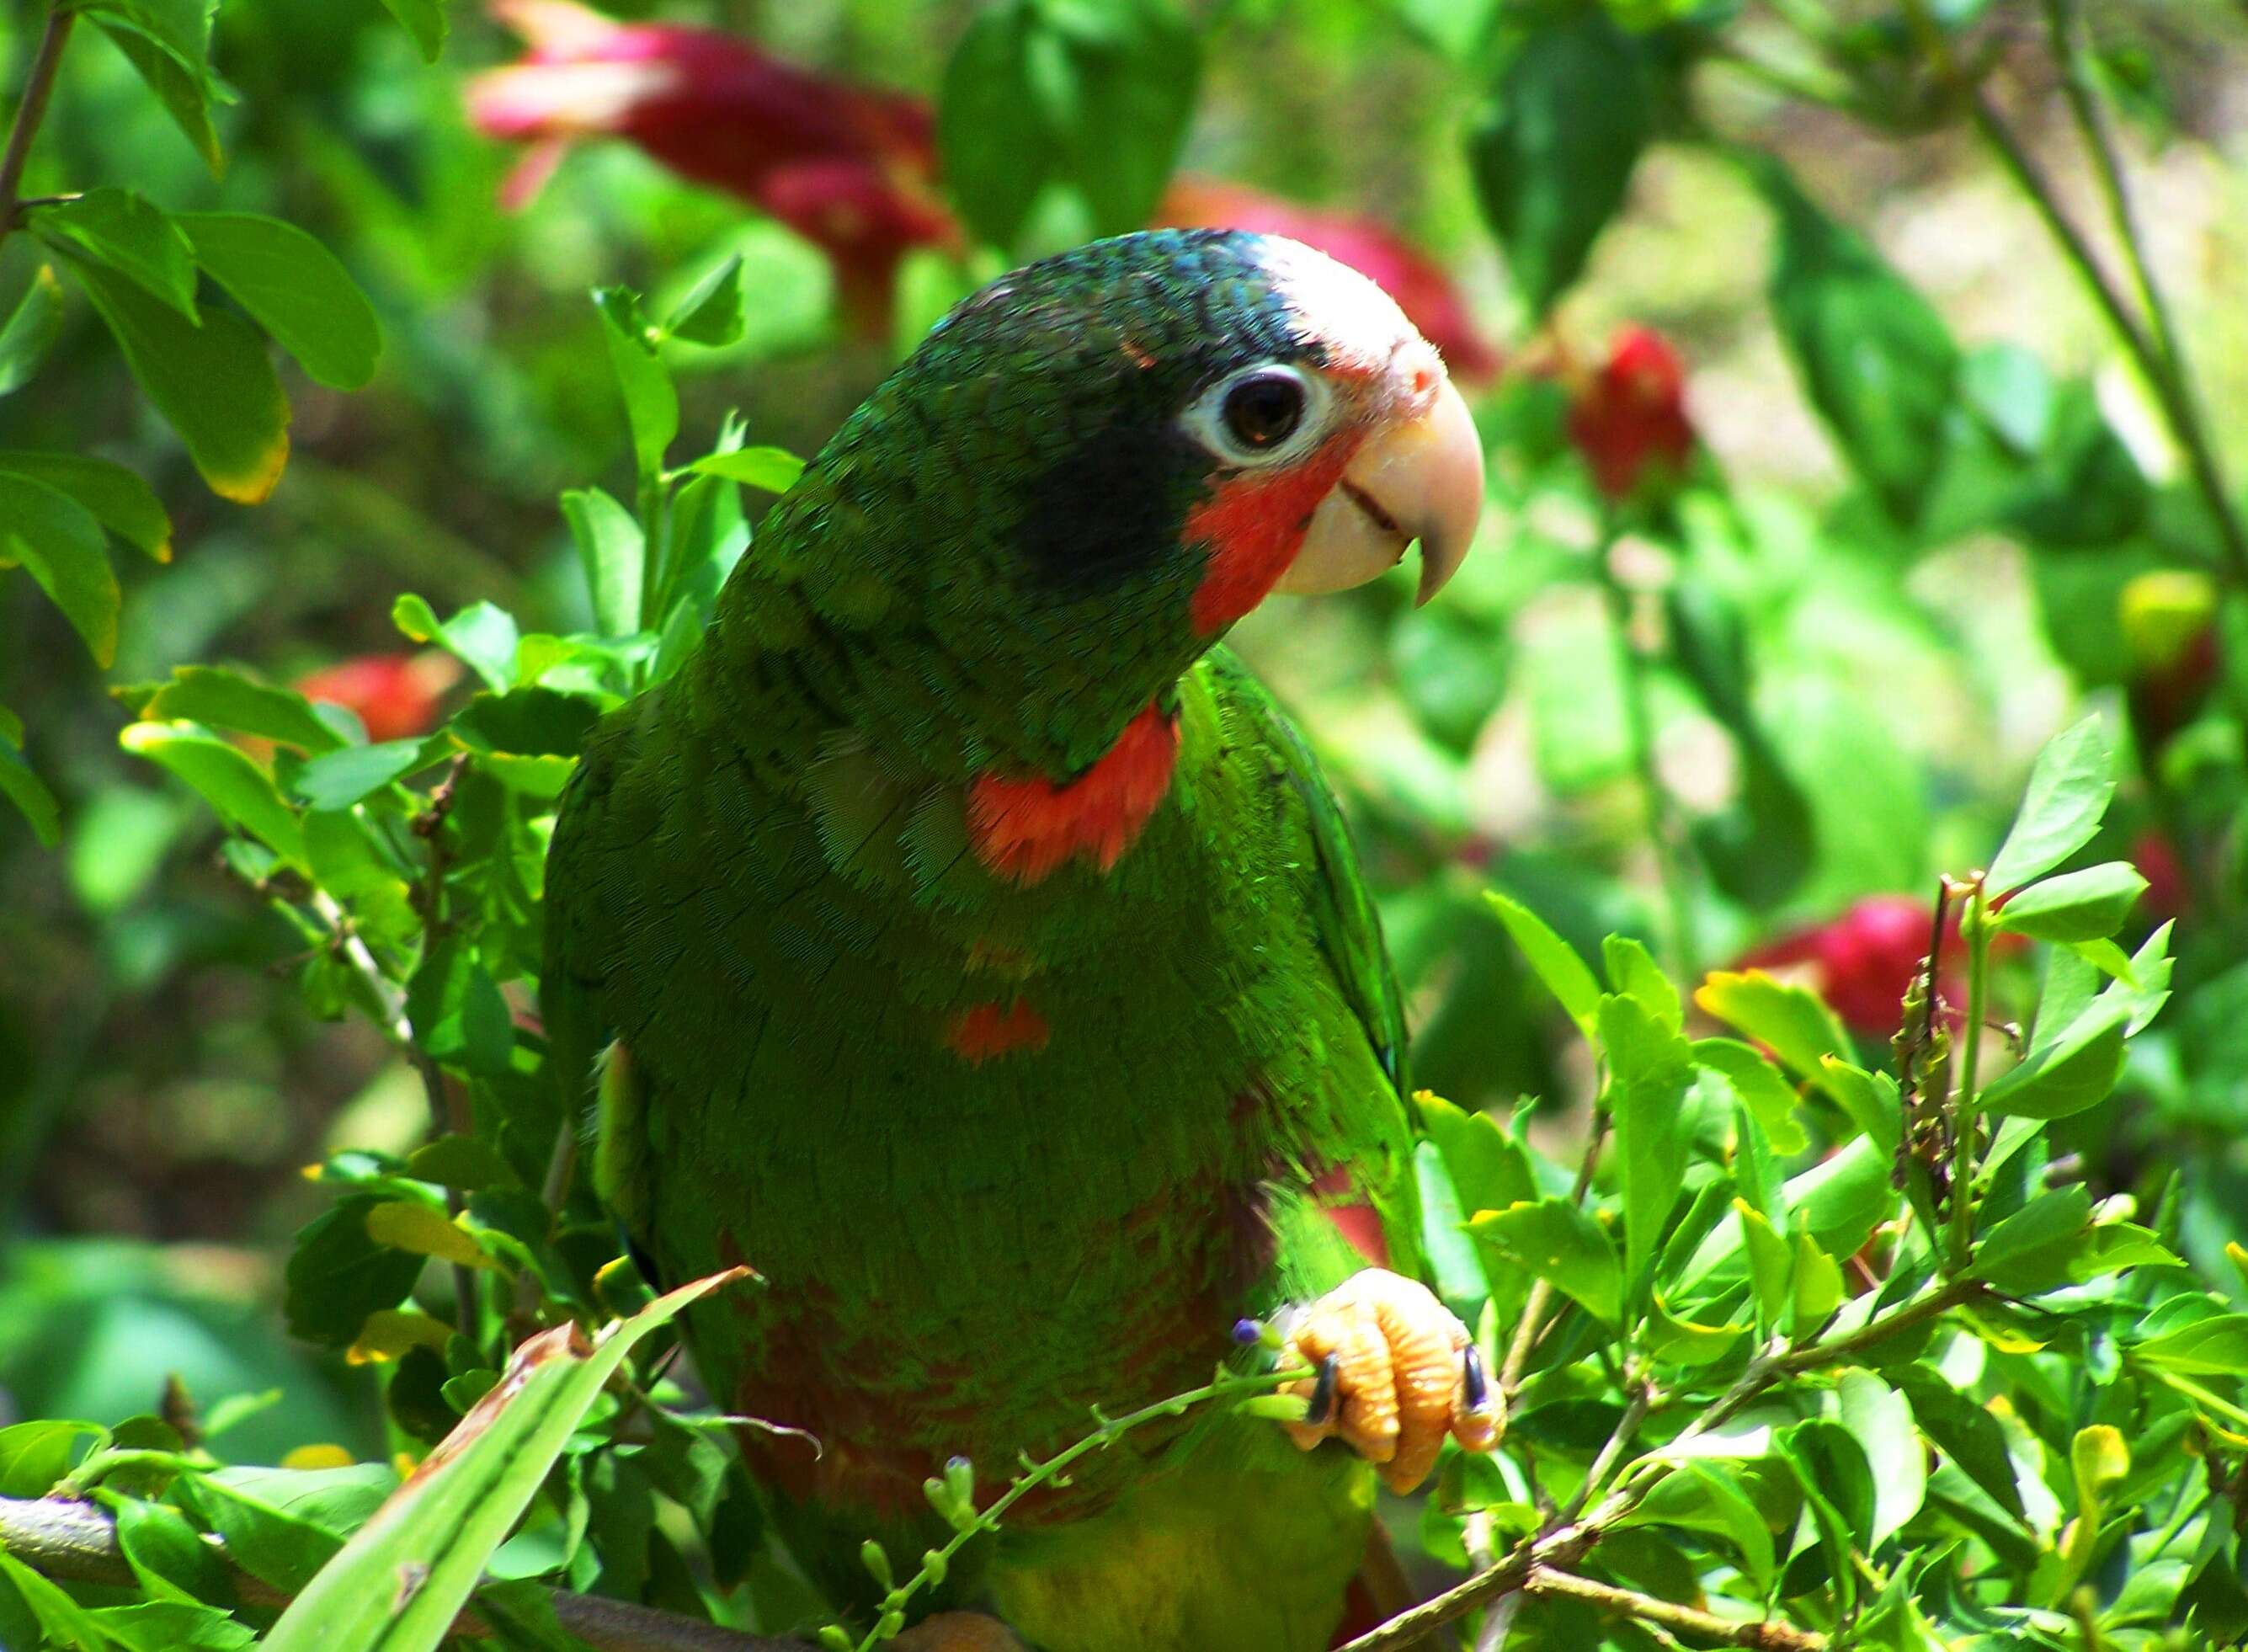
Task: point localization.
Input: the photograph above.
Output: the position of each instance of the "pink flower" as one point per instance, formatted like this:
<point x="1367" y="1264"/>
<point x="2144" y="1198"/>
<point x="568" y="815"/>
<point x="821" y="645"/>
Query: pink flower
<point x="396" y="695"/>
<point x="1864" y="961"/>
<point x="1629" y="418"/>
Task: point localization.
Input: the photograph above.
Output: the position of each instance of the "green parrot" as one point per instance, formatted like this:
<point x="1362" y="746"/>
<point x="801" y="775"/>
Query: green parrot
<point x="965" y="941"/>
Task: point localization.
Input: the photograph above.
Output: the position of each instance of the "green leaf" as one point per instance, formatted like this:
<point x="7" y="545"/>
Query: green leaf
<point x="337" y="1274"/>
<point x="457" y="1013"/>
<point x="1815" y="1288"/>
<point x="1876" y="361"/>
<point x="1761" y="1088"/>
<point x="120" y="501"/>
<point x="1788" y="1019"/>
<point x="1553" y="152"/>
<point x="460" y="1161"/>
<point x="1566" y="976"/>
<point x="426" y="21"/>
<point x="274" y="1544"/>
<point x="712" y="311"/>
<point x="1772" y="1264"/>
<point x="172" y="1626"/>
<point x="1870" y="1099"/>
<point x="30" y="795"/>
<point x="1119" y="94"/>
<point x="480" y="636"/>
<point x="60" y="542"/>
<point x="2030" y="1251"/>
<point x="1632" y="972"/>
<point x="1561" y="1243"/>
<point x="339" y="779"/>
<point x="212" y="383"/>
<point x="2075" y="1070"/>
<point x="772" y="469"/>
<point x="228" y="700"/>
<point x="224" y="776"/>
<point x="2215" y="1347"/>
<point x="127" y="234"/>
<point x="1698" y="1496"/>
<point x="169" y="45"/>
<point x="613" y="551"/>
<point x="62" y="1620"/>
<point x="651" y="403"/>
<point x="1650" y="1068"/>
<point x="1490" y="1169"/>
<point x="30" y="331"/>
<point x="442" y="1529"/>
<point x="2069" y="787"/>
<point x="33" y="1456"/>
<point x="991" y="132"/>
<point x="294" y="288"/>
<point x="166" y="1553"/>
<point x="1881" y="1423"/>
<point x="1964" y="1432"/>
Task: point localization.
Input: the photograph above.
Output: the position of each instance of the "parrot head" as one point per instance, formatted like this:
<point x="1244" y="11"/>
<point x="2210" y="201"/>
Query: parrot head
<point x="1092" y="468"/>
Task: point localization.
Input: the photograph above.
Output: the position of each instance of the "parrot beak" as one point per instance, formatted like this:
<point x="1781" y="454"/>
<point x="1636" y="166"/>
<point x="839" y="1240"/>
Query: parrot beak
<point x="1417" y="477"/>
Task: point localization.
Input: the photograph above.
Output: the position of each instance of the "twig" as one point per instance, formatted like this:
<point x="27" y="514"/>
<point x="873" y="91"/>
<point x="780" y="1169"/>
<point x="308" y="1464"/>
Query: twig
<point x="38" y="87"/>
<point x="1974" y="924"/>
<point x="1634" y="1413"/>
<point x="446" y="1111"/>
<point x="1703" y="1625"/>
<point x="77" y="1542"/>
<point x="1531" y="1326"/>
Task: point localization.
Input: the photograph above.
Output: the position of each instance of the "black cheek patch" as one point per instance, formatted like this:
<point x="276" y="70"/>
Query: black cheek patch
<point x="1112" y="507"/>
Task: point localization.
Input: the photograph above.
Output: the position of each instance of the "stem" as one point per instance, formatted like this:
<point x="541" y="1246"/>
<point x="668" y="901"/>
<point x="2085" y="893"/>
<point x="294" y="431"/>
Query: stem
<point x="1639" y="730"/>
<point x="1703" y="1625"/>
<point x="1974" y="925"/>
<point x="1532" y="1324"/>
<point x="448" y="1109"/>
<point x="77" y="1542"/>
<point x="38" y="87"/>
<point x="1634" y="1413"/>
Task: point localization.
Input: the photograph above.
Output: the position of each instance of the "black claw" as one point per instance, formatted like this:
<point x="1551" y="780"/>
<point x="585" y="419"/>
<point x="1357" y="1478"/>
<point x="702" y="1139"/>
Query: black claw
<point x="1321" y="1405"/>
<point x="1478" y="1387"/>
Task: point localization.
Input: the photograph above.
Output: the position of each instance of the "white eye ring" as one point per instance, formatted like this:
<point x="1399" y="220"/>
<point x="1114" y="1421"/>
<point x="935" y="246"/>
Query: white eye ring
<point x="1267" y="414"/>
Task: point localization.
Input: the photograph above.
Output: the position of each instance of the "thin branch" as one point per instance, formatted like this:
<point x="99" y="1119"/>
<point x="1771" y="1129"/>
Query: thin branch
<point x="77" y="1542"/>
<point x="1647" y="1608"/>
<point x="38" y="87"/>
<point x="1533" y="1324"/>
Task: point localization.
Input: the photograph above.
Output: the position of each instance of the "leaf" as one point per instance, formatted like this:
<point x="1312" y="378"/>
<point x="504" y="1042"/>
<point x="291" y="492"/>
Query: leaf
<point x="483" y="637"/>
<point x="294" y="288"/>
<point x="213" y="384"/>
<point x="59" y="541"/>
<point x="172" y="1626"/>
<point x="168" y="1555"/>
<point x="612" y="551"/>
<point x="2215" y="1347"/>
<point x="991" y="132"/>
<point x="1760" y="1085"/>
<point x="2077" y="1070"/>
<point x="127" y="234"/>
<point x="426" y="21"/>
<point x="1790" y="1020"/>
<point x="1708" y="1496"/>
<point x="1120" y="108"/>
<point x="1772" y="1264"/>
<point x="1650" y="1068"/>
<point x="224" y="776"/>
<point x="1875" y="360"/>
<point x="457" y="1013"/>
<point x="1870" y="1099"/>
<point x="62" y="1620"/>
<point x="1815" y="1288"/>
<point x="2069" y="787"/>
<point x="1553" y="152"/>
<point x="30" y="330"/>
<point x="440" y="1528"/>
<point x="712" y="311"/>
<point x="2031" y="1250"/>
<point x="1881" y="1423"/>
<point x="2089" y="905"/>
<point x="651" y="403"/>
<point x="33" y="1456"/>
<point x="1490" y="1169"/>
<point x="30" y="795"/>
<point x="1964" y="1431"/>
<point x="1560" y="1243"/>
<point x="228" y="700"/>
<point x="1454" y="1265"/>
<point x="772" y="469"/>
<point x="409" y="1225"/>
<point x="1566" y="976"/>
<point x="1632" y="972"/>
<point x="173" y="67"/>
<point x="339" y="779"/>
<point x="120" y="501"/>
<point x="337" y="1274"/>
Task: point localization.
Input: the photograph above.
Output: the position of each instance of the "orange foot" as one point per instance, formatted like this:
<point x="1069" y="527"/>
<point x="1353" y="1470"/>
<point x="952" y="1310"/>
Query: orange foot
<point x="958" y="1632"/>
<point x="1398" y="1371"/>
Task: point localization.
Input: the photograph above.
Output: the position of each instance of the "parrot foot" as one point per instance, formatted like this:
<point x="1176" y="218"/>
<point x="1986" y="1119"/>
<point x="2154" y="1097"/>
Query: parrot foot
<point x="958" y="1632"/>
<point x="1396" y="1372"/>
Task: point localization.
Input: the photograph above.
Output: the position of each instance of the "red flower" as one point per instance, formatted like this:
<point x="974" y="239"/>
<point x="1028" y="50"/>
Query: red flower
<point x="848" y="168"/>
<point x="1629" y="419"/>
<point x="395" y="694"/>
<point x="851" y="169"/>
<point x="1864" y="961"/>
<point x="1423" y="291"/>
<point x="2158" y="863"/>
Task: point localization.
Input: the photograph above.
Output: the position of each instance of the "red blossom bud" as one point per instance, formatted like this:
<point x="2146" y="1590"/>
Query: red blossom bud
<point x="396" y="695"/>
<point x="1629" y="418"/>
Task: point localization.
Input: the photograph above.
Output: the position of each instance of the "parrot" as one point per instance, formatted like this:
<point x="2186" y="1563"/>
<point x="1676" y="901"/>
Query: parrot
<point x="963" y="939"/>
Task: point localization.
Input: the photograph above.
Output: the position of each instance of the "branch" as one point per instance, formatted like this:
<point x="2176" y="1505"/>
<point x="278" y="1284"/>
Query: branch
<point x="1703" y="1625"/>
<point x="77" y="1542"/>
<point x="38" y="87"/>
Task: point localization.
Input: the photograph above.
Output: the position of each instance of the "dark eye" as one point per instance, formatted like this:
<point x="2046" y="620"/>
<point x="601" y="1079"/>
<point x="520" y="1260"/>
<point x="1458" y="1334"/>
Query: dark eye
<point x="1263" y="411"/>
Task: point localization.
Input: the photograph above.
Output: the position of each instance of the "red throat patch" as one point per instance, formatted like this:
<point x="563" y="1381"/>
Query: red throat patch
<point x="986" y="1029"/>
<point x="1025" y="829"/>
<point x="1254" y="525"/>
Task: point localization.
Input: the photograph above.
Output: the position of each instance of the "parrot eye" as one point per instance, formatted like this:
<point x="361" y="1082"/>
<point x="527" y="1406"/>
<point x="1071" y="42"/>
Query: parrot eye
<point x="1265" y="415"/>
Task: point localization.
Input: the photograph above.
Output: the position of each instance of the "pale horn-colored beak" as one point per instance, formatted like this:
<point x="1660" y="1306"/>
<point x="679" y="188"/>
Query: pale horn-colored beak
<point x="1419" y="477"/>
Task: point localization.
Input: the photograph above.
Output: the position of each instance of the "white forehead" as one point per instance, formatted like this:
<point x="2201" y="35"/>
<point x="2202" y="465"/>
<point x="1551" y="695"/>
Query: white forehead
<point x="1359" y="324"/>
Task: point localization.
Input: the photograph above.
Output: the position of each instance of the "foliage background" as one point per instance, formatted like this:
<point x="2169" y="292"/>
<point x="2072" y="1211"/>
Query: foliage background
<point x="162" y="1083"/>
